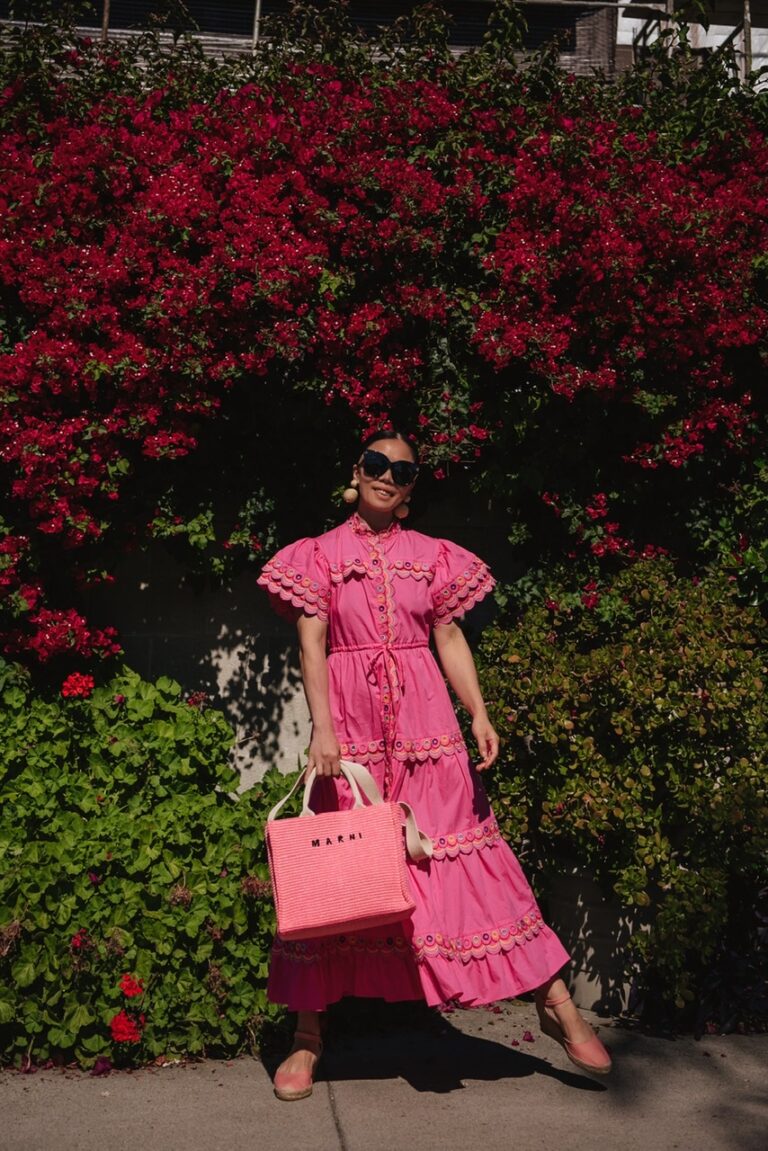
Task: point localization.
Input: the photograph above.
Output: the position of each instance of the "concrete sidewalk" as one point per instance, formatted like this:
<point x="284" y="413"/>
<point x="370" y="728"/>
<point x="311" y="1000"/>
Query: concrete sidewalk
<point x="460" y="1083"/>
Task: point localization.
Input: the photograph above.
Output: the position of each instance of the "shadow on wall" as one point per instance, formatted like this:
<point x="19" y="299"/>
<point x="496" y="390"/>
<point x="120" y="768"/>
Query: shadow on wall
<point x="225" y="642"/>
<point x="593" y="929"/>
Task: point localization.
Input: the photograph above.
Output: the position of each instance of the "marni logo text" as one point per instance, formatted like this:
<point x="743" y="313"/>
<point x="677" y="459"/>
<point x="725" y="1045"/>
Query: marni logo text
<point x="332" y="840"/>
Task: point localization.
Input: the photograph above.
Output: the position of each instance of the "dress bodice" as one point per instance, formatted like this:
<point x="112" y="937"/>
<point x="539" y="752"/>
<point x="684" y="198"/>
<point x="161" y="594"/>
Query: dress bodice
<point x="376" y="588"/>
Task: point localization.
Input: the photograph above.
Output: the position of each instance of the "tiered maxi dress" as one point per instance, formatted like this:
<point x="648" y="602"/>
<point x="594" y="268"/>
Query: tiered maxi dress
<point x="477" y="934"/>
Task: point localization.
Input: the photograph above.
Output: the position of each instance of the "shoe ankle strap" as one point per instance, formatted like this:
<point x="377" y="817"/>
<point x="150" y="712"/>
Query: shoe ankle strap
<point x="556" y="1002"/>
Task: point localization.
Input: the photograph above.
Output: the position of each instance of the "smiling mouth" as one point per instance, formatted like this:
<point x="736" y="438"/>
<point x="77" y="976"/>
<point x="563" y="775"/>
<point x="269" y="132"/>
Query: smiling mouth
<point x="383" y="492"/>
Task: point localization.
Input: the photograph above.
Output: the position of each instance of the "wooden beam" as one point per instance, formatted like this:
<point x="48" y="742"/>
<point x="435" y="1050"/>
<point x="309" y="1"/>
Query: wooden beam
<point x="256" y="24"/>
<point x="747" y="38"/>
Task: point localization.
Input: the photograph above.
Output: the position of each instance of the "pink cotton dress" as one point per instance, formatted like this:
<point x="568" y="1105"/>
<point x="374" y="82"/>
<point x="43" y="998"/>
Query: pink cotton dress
<point x="477" y="934"/>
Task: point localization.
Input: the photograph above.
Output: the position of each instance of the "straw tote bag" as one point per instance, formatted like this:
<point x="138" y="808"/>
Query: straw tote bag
<point x="342" y="871"/>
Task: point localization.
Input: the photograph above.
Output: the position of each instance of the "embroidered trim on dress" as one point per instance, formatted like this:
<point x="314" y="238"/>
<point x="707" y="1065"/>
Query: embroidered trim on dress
<point x="411" y="568"/>
<point x="463" y="592"/>
<point x="361" y="528"/>
<point x="315" y="950"/>
<point x="431" y="747"/>
<point x="341" y="571"/>
<point x="296" y="588"/>
<point x="465" y="842"/>
<point x="467" y="947"/>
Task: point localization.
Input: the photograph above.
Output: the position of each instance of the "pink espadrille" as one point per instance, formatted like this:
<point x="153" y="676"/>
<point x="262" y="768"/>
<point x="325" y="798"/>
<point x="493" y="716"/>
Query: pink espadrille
<point x="291" y="1085"/>
<point x="589" y="1054"/>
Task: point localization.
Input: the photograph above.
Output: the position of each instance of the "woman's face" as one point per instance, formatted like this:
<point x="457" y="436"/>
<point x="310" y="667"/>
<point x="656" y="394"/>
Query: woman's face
<point x="382" y="495"/>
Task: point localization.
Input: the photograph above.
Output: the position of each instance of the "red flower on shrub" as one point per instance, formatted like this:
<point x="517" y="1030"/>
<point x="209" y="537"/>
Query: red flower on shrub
<point x="81" y="940"/>
<point x="582" y="254"/>
<point x="77" y="686"/>
<point x="131" y="987"/>
<point x="125" y="1028"/>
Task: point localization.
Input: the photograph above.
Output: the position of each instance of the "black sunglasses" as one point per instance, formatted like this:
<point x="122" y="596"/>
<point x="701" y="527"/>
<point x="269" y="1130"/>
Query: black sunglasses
<point x="375" y="464"/>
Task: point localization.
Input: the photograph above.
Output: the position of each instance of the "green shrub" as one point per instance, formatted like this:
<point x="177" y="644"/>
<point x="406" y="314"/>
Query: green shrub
<point x="636" y="742"/>
<point x="123" y="853"/>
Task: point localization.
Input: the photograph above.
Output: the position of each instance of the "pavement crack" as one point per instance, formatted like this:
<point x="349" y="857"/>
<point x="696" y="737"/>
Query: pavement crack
<point x="343" y="1145"/>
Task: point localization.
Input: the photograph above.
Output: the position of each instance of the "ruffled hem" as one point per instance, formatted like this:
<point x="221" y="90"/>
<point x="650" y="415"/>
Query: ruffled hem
<point x="311" y="974"/>
<point x="362" y="945"/>
<point x="463" y="592"/>
<point x="465" y="842"/>
<point x="495" y="976"/>
<point x="479" y="945"/>
<point x="432" y="747"/>
<point x="291" y="586"/>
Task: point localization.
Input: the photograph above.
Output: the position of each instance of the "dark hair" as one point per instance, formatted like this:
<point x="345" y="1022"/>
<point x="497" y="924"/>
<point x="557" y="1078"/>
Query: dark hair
<point x="391" y="434"/>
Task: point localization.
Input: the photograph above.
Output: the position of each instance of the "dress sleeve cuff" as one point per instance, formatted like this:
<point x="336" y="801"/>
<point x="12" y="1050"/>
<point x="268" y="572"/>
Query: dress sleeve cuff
<point x="463" y="592"/>
<point x="292" y="591"/>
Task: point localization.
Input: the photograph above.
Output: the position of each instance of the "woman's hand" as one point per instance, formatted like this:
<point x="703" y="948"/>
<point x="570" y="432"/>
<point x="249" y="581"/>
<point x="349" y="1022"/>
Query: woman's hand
<point x="324" y="753"/>
<point x="487" y="741"/>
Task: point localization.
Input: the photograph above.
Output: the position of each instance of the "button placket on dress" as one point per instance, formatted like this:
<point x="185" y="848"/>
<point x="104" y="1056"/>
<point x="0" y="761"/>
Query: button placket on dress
<point x="384" y="666"/>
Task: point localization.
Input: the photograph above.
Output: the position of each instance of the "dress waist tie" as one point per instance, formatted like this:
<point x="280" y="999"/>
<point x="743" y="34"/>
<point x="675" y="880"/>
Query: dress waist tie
<point x="386" y="671"/>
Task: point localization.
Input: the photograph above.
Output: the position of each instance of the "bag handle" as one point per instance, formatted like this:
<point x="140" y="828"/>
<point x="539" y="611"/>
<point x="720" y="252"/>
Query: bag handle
<point x="371" y="790"/>
<point x="419" y="845"/>
<point x="360" y="781"/>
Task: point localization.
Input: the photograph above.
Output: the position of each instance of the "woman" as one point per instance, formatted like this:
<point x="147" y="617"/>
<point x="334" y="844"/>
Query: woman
<point x="366" y="597"/>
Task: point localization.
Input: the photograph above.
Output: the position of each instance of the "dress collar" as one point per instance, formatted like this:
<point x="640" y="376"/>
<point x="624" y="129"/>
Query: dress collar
<point x="361" y="528"/>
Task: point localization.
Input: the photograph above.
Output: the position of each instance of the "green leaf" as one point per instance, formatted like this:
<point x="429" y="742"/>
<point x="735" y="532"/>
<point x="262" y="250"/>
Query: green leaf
<point x="78" y="1017"/>
<point x="24" y="973"/>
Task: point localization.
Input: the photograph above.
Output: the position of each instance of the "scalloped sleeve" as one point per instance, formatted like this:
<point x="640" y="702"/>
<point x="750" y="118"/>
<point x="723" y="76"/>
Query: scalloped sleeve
<point x="297" y="579"/>
<point x="462" y="579"/>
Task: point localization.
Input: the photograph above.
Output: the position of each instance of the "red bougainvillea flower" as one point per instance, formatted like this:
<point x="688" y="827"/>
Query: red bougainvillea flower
<point x="125" y="1028"/>
<point x="377" y="234"/>
<point x="131" y="987"/>
<point x="77" y="686"/>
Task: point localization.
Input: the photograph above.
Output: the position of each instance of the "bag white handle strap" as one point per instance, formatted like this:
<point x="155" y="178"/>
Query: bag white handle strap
<point x="360" y="781"/>
<point x="308" y="777"/>
<point x="282" y="802"/>
<point x="419" y="845"/>
<point x="350" y="778"/>
<point x="363" y="779"/>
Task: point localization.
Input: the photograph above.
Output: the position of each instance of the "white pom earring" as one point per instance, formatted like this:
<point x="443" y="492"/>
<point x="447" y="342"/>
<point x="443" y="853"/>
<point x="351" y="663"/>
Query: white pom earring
<point x="350" y="494"/>
<point x="402" y="510"/>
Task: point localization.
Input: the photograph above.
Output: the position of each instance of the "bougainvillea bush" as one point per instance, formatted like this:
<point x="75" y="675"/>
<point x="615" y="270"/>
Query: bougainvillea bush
<point x="635" y="724"/>
<point x="135" y="905"/>
<point x="208" y="268"/>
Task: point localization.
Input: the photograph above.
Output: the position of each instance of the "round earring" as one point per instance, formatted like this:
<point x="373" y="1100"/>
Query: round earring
<point x="350" y="494"/>
<point x="402" y="510"/>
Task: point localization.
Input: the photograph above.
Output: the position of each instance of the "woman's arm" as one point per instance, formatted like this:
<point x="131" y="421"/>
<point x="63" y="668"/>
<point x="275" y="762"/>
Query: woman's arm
<point x="460" y="671"/>
<point x="324" y="750"/>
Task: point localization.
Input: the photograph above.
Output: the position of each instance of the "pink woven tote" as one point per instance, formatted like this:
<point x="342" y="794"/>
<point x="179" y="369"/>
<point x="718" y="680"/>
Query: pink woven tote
<point x="341" y="871"/>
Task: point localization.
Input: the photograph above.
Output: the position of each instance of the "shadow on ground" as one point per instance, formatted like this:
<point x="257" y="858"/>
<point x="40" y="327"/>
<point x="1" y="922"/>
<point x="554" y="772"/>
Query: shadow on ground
<point x="373" y="1040"/>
